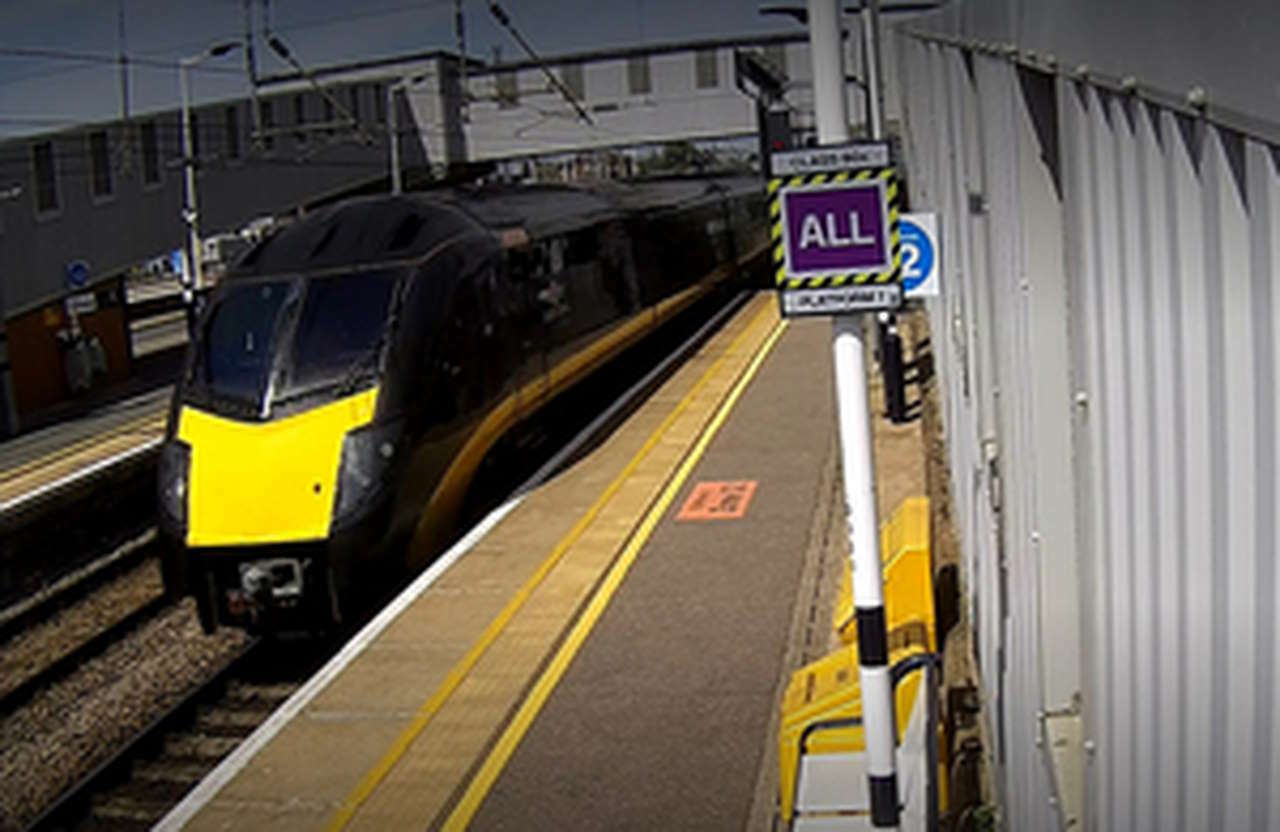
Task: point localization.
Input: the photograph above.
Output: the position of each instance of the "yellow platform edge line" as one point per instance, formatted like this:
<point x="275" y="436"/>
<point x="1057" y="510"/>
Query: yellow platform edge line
<point x="493" y="765"/>
<point x="141" y="425"/>
<point x="458" y="673"/>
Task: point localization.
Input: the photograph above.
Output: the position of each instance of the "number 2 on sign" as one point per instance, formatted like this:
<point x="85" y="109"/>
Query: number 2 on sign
<point x="911" y="262"/>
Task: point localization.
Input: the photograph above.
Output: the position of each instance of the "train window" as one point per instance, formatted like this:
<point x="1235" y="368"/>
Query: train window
<point x="583" y="248"/>
<point x="406" y="232"/>
<point x="555" y="255"/>
<point x="238" y="340"/>
<point x="339" y="332"/>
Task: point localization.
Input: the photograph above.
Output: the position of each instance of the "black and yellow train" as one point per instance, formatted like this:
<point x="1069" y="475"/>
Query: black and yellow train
<point x="350" y="374"/>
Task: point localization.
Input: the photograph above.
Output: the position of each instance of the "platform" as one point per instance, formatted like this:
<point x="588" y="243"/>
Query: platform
<point x="591" y="660"/>
<point x="47" y="459"/>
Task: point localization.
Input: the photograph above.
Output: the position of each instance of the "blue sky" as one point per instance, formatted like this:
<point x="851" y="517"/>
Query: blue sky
<point x="42" y="93"/>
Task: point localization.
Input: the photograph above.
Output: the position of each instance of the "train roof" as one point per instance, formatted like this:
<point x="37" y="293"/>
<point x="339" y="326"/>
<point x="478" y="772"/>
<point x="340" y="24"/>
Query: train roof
<point x="387" y="228"/>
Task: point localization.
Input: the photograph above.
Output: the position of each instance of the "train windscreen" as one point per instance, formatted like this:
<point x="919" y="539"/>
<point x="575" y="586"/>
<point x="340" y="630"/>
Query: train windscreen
<point x="238" y="343"/>
<point x="339" y="333"/>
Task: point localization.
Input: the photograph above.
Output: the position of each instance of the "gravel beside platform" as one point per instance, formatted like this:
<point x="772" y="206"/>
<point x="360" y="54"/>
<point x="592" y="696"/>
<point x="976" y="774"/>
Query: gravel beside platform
<point x="34" y="649"/>
<point x="68" y="729"/>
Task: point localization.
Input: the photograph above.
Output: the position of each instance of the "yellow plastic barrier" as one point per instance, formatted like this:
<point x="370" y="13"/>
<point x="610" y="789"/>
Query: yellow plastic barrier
<point x="827" y="689"/>
<point x="908" y="572"/>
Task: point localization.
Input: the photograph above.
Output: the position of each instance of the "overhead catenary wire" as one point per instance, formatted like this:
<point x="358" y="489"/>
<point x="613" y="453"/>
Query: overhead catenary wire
<point x="502" y="18"/>
<point x="44" y="53"/>
<point x="151" y="58"/>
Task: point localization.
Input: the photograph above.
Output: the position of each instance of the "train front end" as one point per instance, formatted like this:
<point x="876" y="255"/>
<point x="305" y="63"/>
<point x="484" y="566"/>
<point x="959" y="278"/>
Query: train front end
<point x="278" y="460"/>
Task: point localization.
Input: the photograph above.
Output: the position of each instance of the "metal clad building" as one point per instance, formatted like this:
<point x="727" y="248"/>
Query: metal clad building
<point x="1107" y="343"/>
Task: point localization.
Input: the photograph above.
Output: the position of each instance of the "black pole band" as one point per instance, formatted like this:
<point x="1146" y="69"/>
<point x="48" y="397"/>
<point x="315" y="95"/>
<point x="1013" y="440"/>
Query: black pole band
<point x="873" y="642"/>
<point x="884" y="800"/>
<point x="895" y="385"/>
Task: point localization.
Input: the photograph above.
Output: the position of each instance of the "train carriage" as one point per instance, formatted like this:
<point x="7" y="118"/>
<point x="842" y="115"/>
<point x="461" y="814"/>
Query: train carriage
<point x="351" y="372"/>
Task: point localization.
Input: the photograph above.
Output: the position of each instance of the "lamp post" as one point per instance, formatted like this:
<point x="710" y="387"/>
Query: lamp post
<point x="190" y="215"/>
<point x="393" y="127"/>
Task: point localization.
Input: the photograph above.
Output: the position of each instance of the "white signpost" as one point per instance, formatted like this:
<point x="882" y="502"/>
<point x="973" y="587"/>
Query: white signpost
<point x="851" y="389"/>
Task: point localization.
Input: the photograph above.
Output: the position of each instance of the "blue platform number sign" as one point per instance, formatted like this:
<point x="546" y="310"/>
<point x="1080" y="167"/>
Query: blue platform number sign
<point x="77" y="274"/>
<point x="919" y="236"/>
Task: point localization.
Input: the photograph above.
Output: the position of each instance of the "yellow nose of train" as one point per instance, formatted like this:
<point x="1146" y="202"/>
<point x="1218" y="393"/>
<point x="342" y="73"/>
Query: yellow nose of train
<point x="268" y="482"/>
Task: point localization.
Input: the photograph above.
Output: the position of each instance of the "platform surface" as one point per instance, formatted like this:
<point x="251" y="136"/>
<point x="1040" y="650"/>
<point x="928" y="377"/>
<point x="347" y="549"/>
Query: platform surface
<point x="44" y="458"/>
<point x="592" y="662"/>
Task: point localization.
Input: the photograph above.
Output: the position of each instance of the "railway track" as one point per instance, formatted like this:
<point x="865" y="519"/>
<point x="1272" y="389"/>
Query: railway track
<point x="48" y="636"/>
<point x="19" y="693"/>
<point x="75" y="585"/>
<point x="137" y="785"/>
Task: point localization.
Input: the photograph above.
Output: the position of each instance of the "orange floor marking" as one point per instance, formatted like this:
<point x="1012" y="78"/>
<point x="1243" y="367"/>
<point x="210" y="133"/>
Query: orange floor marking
<point x="719" y="500"/>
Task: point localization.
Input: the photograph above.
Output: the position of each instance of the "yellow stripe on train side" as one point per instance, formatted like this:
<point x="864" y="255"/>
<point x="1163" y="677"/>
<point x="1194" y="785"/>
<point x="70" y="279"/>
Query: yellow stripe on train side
<point x="268" y="482"/>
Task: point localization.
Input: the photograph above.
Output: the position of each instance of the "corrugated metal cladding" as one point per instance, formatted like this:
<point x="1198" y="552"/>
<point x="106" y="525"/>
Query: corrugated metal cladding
<point x="1107" y="342"/>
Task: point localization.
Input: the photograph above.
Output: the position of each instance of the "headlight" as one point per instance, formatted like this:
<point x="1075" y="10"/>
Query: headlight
<point x="367" y="454"/>
<point x="175" y="465"/>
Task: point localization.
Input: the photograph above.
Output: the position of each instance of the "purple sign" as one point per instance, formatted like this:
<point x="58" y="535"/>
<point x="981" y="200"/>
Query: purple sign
<point x="836" y="229"/>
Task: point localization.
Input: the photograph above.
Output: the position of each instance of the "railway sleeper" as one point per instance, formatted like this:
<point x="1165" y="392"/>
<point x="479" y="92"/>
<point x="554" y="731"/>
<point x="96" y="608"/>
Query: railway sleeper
<point x="199" y="746"/>
<point x="144" y="800"/>
<point x="270" y="695"/>
<point x="226" y="722"/>
<point x="120" y="811"/>
<point x="170" y="771"/>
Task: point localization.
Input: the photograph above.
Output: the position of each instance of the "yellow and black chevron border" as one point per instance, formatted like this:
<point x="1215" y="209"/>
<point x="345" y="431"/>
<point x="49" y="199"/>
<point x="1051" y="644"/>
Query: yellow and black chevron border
<point x="779" y="186"/>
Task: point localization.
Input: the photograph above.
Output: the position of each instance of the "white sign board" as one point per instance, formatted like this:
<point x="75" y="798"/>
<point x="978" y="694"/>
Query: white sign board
<point x="819" y="159"/>
<point x="84" y="303"/>
<point x="838" y="300"/>
<point x="921" y="260"/>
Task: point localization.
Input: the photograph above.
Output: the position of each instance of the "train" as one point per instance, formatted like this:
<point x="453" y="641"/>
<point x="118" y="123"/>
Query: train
<point x="351" y="372"/>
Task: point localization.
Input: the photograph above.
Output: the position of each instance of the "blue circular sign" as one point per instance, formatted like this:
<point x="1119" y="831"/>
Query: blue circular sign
<point x="77" y="274"/>
<point x="917" y="254"/>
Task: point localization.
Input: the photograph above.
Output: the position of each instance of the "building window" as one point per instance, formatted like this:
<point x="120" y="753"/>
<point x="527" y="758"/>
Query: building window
<point x="638" y="80"/>
<point x="195" y="137"/>
<point x="233" y="132"/>
<point x="571" y="76"/>
<point x="267" y="118"/>
<point x="707" y="69"/>
<point x="100" y="163"/>
<point x="330" y="115"/>
<point x="354" y="104"/>
<point x="508" y="92"/>
<point x="46" y="190"/>
<point x="150" y="153"/>
<point x="775" y="55"/>
<point x="300" y="118"/>
<point x="379" y="104"/>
